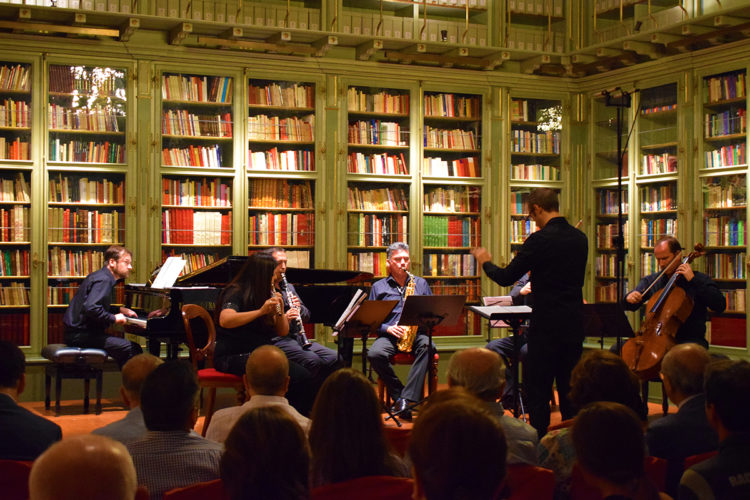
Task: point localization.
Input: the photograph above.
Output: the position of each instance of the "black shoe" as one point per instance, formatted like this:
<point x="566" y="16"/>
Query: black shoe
<point x="399" y="409"/>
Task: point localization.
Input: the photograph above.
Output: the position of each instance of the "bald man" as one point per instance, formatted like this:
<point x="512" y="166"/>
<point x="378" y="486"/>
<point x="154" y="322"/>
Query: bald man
<point x="266" y="381"/>
<point x="87" y="466"/>
<point x="131" y="426"/>
<point x="482" y="373"/>
<point x="687" y="432"/>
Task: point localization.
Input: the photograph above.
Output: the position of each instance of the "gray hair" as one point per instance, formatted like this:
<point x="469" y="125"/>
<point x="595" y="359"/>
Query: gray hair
<point x="684" y="365"/>
<point x="395" y="247"/>
<point x="479" y="371"/>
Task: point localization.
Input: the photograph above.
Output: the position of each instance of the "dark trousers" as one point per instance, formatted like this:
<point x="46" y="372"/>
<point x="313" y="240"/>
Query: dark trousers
<point x="504" y="347"/>
<point x="549" y="361"/>
<point x="379" y="357"/>
<point x="118" y="349"/>
<point x="319" y="360"/>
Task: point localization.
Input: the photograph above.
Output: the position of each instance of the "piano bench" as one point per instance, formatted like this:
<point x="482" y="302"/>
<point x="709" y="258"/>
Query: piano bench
<point x="73" y="362"/>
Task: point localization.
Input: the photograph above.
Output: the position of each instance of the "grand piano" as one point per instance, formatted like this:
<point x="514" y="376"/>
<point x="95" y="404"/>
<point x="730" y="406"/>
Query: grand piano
<point x="325" y="292"/>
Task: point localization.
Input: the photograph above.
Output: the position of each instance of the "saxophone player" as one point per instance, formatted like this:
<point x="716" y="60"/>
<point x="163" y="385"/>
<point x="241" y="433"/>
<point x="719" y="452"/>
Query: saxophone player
<point x="394" y="287"/>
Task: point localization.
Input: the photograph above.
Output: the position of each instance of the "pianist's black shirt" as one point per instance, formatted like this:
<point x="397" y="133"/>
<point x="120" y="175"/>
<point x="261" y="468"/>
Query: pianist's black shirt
<point x="90" y="309"/>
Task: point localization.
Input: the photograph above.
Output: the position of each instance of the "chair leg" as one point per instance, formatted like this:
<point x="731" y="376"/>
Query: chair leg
<point x="209" y="410"/>
<point x="86" y="390"/>
<point x="58" y="390"/>
<point x="381" y="392"/>
<point x="664" y="400"/>
<point x="47" y="387"/>
<point x="99" y="392"/>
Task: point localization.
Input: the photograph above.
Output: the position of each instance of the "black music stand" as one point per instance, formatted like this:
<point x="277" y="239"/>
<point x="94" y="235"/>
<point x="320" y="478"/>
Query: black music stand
<point x="366" y="320"/>
<point x="606" y="320"/>
<point x="419" y="311"/>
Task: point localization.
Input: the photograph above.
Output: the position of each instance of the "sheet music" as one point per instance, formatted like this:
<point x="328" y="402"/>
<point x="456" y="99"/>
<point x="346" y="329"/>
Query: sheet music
<point x="169" y="272"/>
<point x="488" y="311"/>
<point x="358" y="298"/>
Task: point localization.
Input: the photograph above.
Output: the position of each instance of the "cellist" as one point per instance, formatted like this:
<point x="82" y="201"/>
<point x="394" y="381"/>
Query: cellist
<point x="698" y="286"/>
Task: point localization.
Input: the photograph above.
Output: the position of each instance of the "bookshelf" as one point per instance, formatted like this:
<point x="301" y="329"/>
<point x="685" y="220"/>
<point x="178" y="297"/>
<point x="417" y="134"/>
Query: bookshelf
<point x="535" y="25"/>
<point x="605" y="254"/>
<point x="87" y="169"/>
<point x="15" y="201"/>
<point x="614" y="19"/>
<point x="379" y="174"/>
<point x="197" y="167"/>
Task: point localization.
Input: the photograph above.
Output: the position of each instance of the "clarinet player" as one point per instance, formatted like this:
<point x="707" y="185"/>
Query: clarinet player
<point x="395" y="287"/>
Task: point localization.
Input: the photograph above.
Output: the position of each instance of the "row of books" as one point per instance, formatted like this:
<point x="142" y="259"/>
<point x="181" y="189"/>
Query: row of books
<point x="14" y="150"/>
<point x="608" y="202"/>
<point x="735" y="300"/>
<point x="282" y="229"/>
<point x="521" y="229"/>
<point x="376" y="230"/>
<point x="203" y="192"/>
<point x="449" y="264"/>
<point x="14" y="114"/>
<point x="15" y="328"/>
<point x="653" y="229"/>
<point x="369" y="262"/>
<point x="650" y="108"/>
<point x="14" y="224"/>
<point x="193" y="156"/>
<point x="605" y="293"/>
<point x="730" y="266"/>
<point x="183" y="226"/>
<point x="216" y="89"/>
<point x="451" y="231"/>
<point x="525" y="141"/>
<point x="725" y="123"/>
<point x="535" y="172"/>
<point x="299" y="160"/>
<point x="606" y="265"/>
<point x="15" y="78"/>
<point x="452" y="199"/>
<point x="468" y="287"/>
<point x="519" y="109"/>
<point x="193" y="261"/>
<point x="449" y="139"/>
<point x="95" y="118"/>
<point x="60" y="295"/>
<point x="71" y="262"/>
<point x="377" y="198"/>
<point x="359" y="100"/>
<point x="377" y="132"/>
<point x="659" y="198"/>
<point x="518" y="202"/>
<point x="374" y="163"/>
<point x="283" y="95"/>
<point x="14" y="294"/>
<point x="724" y="231"/>
<point x="726" y="156"/>
<point x="274" y="128"/>
<point x="726" y="192"/>
<point x="460" y="167"/>
<point x="86" y="152"/>
<point x="278" y="193"/>
<point x="81" y="189"/>
<point x="663" y="163"/>
<point x="14" y="262"/>
<point x="84" y="226"/>
<point x="724" y="87"/>
<point x="452" y="106"/>
<point x="14" y="188"/>
<point x="55" y="325"/>
<point x="605" y="235"/>
<point x="184" y="123"/>
<point x="87" y="80"/>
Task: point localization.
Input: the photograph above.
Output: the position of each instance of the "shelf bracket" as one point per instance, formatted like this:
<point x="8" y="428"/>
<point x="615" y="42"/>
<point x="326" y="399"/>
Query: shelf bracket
<point x="642" y="48"/>
<point x="234" y="33"/>
<point x="127" y="29"/>
<point x="179" y="33"/>
<point x="729" y="21"/>
<point x="323" y="45"/>
<point x="665" y="38"/>
<point x="280" y="37"/>
<point x="365" y="50"/>
<point x="24" y="14"/>
<point x="531" y="65"/>
<point x="608" y="52"/>
<point x="695" y="29"/>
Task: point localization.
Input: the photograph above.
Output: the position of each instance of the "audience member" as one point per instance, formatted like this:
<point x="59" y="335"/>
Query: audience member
<point x="457" y="449"/>
<point x="598" y="376"/>
<point x="611" y="461"/>
<point x="266" y="457"/>
<point x="726" y="475"/>
<point x="266" y="382"/>
<point x="131" y="426"/>
<point x="85" y="467"/>
<point x="687" y="432"/>
<point x="23" y="435"/>
<point x="169" y="455"/>
<point x="346" y="434"/>
<point x="482" y="372"/>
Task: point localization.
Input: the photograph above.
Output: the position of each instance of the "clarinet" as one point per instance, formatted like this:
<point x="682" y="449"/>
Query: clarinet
<point x="285" y="287"/>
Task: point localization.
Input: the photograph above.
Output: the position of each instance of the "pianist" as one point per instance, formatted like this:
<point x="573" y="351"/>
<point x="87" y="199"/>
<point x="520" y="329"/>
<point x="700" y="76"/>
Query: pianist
<point x="88" y="316"/>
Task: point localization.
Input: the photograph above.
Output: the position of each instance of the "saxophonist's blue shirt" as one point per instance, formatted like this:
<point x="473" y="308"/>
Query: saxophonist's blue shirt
<point x="389" y="289"/>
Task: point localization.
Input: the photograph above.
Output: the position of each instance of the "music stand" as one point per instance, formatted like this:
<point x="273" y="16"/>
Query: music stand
<point x="418" y="311"/>
<point x="606" y="320"/>
<point x="366" y="320"/>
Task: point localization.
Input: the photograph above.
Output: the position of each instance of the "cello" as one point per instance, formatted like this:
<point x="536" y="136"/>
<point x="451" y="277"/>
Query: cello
<point x="666" y="311"/>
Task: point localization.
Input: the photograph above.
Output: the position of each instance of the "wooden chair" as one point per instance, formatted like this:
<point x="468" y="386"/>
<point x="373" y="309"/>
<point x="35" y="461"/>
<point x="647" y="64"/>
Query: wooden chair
<point x="208" y="376"/>
<point x="207" y="490"/>
<point x="407" y="358"/>
<point x="524" y="481"/>
<point x="366" y="488"/>
<point x="14" y="479"/>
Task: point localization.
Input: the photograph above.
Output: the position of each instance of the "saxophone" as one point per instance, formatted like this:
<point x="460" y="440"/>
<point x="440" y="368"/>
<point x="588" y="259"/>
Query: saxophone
<point x="405" y="342"/>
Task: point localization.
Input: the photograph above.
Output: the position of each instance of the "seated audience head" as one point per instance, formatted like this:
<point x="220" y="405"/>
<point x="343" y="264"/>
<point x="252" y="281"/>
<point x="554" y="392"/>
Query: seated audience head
<point x="134" y="373"/>
<point x="478" y="370"/>
<point x="604" y="376"/>
<point x="610" y="449"/>
<point x="12" y="369"/>
<point x="346" y="434"/>
<point x="727" y="390"/>
<point x="682" y="371"/>
<point x="457" y="449"/>
<point x="267" y="372"/>
<point x="169" y="399"/>
<point x="84" y="467"/>
<point x="266" y="456"/>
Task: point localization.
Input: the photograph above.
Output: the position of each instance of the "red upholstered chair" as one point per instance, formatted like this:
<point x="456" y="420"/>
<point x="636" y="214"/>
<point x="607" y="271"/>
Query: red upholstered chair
<point x="528" y="481"/>
<point x="14" y="479"/>
<point x="580" y="489"/>
<point x="407" y="358"/>
<point x="398" y="438"/>
<point x="208" y="377"/>
<point x="208" y="490"/>
<point x="366" y="488"/>
<point x="656" y="470"/>
<point x="696" y="459"/>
